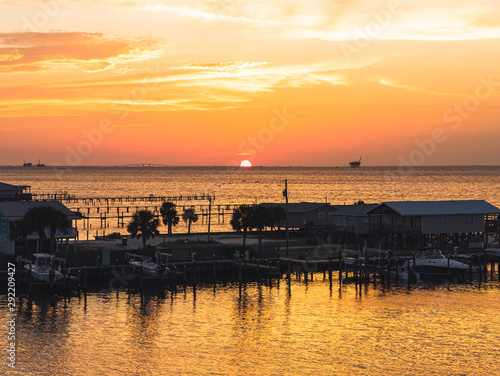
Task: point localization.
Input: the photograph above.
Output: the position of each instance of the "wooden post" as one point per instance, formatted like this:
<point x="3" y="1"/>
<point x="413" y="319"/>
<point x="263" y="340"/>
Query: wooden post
<point x="98" y="269"/>
<point x="330" y="267"/>
<point x="448" y="268"/>
<point x="141" y="276"/>
<point x="175" y="276"/>
<point x="29" y="279"/>
<point x="214" y="267"/>
<point x="194" y="272"/>
<point x="356" y="269"/>
<point x="85" y="278"/>
<point x="258" y="274"/>
<point x="289" y="270"/>
<point x="470" y="270"/>
<point x="408" y="271"/>
<point x="239" y="270"/>
<point x="382" y="269"/>
<point x="397" y="272"/>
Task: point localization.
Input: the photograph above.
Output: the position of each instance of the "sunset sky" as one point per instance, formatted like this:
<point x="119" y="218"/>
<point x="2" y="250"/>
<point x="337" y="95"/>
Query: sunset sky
<point x="310" y="83"/>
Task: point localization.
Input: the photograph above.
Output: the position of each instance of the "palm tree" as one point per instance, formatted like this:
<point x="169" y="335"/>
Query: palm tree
<point x="20" y="230"/>
<point x="143" y="224"/>
<point x="46" y="217"/>
<point x="169" y="215"/>
<point x="39" y="221"/>
<point x="260" y="219"/>
<point x="57" y="221"/>
<point x="189" y="216"/>
<point x="276" y="215"/>
<point x="242" y="221"/>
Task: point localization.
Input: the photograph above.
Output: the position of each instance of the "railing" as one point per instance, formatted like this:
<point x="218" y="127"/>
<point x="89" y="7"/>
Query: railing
<point x="395" y="229"/>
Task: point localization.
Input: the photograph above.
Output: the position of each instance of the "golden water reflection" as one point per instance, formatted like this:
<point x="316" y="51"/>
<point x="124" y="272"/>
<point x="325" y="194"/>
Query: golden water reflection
<point x="259" y="330"/>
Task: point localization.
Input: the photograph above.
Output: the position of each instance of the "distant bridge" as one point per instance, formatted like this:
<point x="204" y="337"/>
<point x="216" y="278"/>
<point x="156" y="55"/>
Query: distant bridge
<point x="142" y="165"/>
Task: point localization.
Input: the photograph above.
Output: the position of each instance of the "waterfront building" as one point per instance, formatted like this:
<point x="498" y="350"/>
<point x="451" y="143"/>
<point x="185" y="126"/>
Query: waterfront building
<point x="307" y="214"/>
<point x="11" y="211"/>
<point x="9" y="192"/>
<point x="438" y="222"/>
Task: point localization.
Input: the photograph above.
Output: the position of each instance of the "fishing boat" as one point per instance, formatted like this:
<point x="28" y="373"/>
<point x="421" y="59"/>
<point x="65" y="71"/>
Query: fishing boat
<point x="27" y="164"/>
<point x="355" y="164"/>
<point x="42" y="269"/>
<point x="149" y="267"/>
<point x="40" y="164"/>
<point x="430" y="262"/>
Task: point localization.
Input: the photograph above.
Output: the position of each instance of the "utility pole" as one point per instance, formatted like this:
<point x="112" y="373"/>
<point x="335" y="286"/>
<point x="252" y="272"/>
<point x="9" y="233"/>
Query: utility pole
<point x="209" y="215"/>
<point x="285" y="193"/>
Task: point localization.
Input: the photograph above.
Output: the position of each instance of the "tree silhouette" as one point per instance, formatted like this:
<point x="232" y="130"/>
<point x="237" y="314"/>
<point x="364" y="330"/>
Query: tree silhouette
<point x="276" y="215"/>
<point x="43" y="217"/>
<point x="143" y="225"/>
<point x="260" y="219"/>
<point x="169" y="215"/>
<point x="189" y="216"/>
<point x="242" y="221"/>
<point x="20" y="229"/>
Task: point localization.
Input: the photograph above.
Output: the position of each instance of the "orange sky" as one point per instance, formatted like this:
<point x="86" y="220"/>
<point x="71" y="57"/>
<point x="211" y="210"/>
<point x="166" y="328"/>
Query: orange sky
<point x="183" y="82"/>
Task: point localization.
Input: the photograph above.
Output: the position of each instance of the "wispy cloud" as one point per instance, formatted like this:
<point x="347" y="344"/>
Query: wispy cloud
<point x="86" y="51"/>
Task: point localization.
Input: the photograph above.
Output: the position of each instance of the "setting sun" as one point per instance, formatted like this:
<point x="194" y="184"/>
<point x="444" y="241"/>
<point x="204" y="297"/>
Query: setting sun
<point x="245" y="163"/>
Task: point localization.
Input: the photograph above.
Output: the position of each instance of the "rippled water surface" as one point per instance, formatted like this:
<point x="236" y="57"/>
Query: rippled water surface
<point x="310" y="329"/>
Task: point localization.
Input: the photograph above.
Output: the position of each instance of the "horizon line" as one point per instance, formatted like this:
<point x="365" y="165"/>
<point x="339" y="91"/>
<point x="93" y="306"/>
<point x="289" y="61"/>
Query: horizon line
<point x="254" y="166"/>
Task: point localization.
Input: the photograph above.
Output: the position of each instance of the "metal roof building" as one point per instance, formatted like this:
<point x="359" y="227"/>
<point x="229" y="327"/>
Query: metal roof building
<point x="436" y="221"/>
<point x="423" y="208"/>
<point x="303" y="214"/>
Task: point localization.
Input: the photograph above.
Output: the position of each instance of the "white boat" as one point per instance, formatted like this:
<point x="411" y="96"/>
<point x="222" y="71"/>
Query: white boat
<point x="149" y="267"/>
<point x="431" y="262"/>
<point x="492" y="251"/>
<point x="42" y="269"/>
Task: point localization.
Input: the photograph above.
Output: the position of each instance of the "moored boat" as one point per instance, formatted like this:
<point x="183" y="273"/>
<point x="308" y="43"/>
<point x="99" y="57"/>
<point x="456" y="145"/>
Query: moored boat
<point x="492" y="251"/>
<point x="431" y="262"/>
<point x="149" y="267"/>
<point x="42" y="269"/>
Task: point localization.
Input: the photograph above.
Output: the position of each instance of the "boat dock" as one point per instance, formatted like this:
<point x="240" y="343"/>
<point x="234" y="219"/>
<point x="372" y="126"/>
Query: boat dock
<point x="385" y="270"/>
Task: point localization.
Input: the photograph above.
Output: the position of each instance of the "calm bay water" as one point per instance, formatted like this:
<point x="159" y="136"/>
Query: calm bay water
<point x="239" y="186"/>
<point x="309" y="329"/>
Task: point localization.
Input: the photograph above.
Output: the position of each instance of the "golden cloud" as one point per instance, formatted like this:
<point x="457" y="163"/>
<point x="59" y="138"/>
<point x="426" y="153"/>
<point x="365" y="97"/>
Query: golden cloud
<point x="86" y="51"/>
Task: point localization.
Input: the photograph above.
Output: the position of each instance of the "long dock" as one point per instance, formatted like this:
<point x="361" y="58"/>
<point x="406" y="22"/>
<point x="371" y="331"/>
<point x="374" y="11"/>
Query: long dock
<point x="120" y="276"/>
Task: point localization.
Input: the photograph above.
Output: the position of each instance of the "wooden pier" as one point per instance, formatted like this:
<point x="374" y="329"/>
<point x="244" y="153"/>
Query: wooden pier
<point x="383" y="270"/>
<point x="114" y="212"/>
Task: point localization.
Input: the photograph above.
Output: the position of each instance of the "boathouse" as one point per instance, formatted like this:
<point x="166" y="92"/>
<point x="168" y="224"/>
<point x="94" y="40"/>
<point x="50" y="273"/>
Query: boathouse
<point x="9" y="192"/>
<point x="11" y="211"/>
<point x="396" y="224"/>
<point x="307" y="214"/>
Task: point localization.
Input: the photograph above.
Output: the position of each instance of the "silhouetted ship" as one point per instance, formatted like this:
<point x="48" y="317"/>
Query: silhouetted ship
<point x="27" y="164"/>
<point x="40" y="164"/>
<point x="355" y="164"/>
